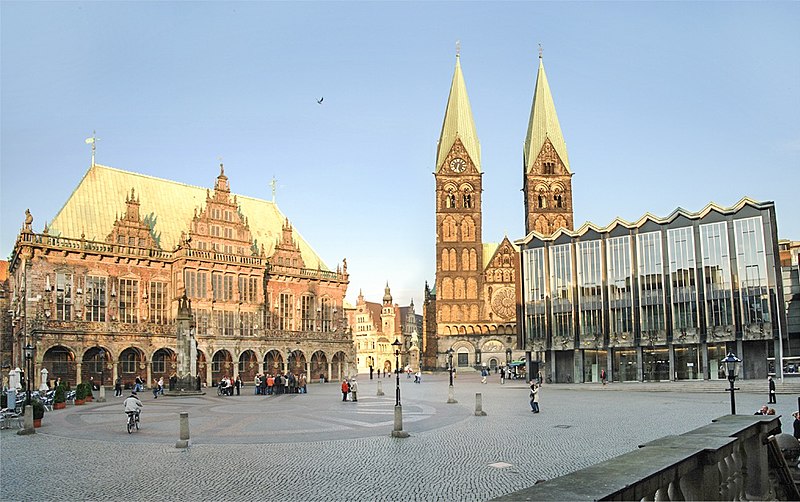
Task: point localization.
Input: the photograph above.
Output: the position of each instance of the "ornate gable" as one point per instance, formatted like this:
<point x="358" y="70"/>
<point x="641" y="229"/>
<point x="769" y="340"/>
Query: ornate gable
<point x="130" y="230"/>
<point x="220" y="225"/>
<point x="287" y="252"/>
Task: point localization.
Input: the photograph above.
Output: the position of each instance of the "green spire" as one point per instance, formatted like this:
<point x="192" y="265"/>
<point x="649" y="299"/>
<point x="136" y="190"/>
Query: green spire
<point x="543" y="124"/>
<point x="458" y="123"/>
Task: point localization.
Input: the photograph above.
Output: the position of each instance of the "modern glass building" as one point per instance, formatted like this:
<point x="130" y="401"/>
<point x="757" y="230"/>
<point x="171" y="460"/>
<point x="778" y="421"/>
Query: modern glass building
<point x="658" y="299"/>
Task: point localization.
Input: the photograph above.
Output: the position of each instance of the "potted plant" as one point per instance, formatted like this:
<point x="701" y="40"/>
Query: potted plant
<point x="60" y="398"/>
<point x="38" y="412"/>
<point x="89" y="395"/>
<point x="80" y="394"/>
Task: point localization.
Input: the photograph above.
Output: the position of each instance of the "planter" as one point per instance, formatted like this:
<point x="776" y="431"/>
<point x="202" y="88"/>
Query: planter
<point x="37" y="422"/>
<point x="59" y="406"/>
<point x="80" y="401"/>
<point x="89" y="398"/>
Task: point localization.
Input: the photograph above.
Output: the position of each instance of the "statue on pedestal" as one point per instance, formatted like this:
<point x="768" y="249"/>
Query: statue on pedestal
<point x="186" y="352"/>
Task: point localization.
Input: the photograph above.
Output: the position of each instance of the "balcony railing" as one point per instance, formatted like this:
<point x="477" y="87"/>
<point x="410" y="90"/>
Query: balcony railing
<point x="725" y="460"/>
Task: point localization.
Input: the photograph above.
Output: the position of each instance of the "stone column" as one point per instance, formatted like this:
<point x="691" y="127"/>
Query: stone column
<point x="330" y="371"/>
<point x="639" y="364"/>
<point x="149" y="381"/>
<point x="704" y="361"/>
<point x="78" y="372"/>
<point x="114" y="372"/>
<point x="671" y="351"/>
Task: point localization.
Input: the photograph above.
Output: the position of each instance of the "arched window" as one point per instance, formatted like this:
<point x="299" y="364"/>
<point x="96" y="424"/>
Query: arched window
<point x="445" y="259"/>
<point x="473" y="260"/>
<point x="453" y="264"/>
<point x="465" y="259"/>
<point x="542" y="200"/>
<point x="449" y="229"/>
<point x="468" y="229"/>
<point x="459" y="288"/>
<point x="559" y="200"/>
<point x="450" y="199"/>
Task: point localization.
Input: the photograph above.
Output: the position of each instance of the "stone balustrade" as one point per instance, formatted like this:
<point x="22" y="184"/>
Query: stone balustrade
<point x="725" y="460"/>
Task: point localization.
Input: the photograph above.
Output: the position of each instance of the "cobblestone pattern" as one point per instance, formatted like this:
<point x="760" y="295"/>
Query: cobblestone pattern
<point x="315" y="447"/>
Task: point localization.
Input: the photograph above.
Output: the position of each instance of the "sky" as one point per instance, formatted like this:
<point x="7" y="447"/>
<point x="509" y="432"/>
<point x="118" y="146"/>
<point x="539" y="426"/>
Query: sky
<point x="662" y="105"/>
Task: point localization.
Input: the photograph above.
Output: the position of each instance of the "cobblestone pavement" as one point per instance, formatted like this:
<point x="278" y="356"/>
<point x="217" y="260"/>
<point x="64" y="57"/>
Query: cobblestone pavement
<point x="316" y="447"/>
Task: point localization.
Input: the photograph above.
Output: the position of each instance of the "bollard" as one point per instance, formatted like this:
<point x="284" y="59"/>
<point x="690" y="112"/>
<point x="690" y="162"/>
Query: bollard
<point x="102" y="398"/>
<point x="451" y="396"/>
<point x="28" y="422"/>
<point x="183" y="442"/>
<point x="398" y="431"/>
<point x="380" y="388"/>
<point x="479" y="405"/>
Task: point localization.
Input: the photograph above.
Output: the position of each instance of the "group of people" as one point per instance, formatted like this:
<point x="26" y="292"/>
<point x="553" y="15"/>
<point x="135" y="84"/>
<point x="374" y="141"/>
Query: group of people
<point x="417" y="375"/>
<point x="280" y="383"/>
<point x="350" y="388"/>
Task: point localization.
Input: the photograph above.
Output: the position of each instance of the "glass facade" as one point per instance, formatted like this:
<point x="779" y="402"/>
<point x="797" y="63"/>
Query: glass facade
<point x="620" y="289"/>
<point x="658" y="300"/>
<point x="561" y="294"/>
<point x="683" y="281"/>
<point x="752" y="268"/>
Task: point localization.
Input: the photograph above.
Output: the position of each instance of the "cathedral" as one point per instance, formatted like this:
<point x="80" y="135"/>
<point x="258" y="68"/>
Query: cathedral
<point x="471" y="312"/>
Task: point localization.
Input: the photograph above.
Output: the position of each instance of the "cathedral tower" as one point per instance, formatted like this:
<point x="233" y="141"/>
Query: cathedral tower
<point x="459" y="248"/>
<point x="547" y="178"/>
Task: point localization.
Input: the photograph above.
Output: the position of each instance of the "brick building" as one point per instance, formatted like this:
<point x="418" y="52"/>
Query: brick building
<point x="96" y="291"/>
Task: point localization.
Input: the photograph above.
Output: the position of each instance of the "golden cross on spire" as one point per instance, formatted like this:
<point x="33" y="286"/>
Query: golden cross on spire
<point x="540" y="50"/>
<point x="458" y="48"/>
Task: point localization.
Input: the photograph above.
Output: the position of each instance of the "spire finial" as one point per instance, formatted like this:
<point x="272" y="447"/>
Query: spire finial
<point x="458" y="48"/>
<point x="274" y="185"/>
<point x="93" y="141"/>
<point x="221" y="167"/>
<point x="540" y="50"/>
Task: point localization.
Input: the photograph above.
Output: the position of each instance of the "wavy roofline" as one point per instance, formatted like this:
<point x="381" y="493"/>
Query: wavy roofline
<point x="711" y="206"/>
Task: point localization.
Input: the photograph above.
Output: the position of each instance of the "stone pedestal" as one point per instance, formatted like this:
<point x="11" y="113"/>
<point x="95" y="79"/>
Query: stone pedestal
<point x="28" y="422"/>
<point x="380" y="388"/>
<point x="102" y="397"/>
<point x="398" y="431"/>
<point x="479" y="405"/>
<point x="451" y="395"/>
<point x="183" y="438"/>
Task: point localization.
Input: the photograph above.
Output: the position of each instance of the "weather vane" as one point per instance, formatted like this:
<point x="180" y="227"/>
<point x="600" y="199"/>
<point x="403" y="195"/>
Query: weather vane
<point x="93" y="141"/>
<point x="458" y="48"/>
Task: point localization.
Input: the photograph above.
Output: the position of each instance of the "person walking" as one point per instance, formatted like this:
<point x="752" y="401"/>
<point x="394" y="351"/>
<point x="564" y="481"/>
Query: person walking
<point x="534" y="397"/>
<point x="118" y="387"/>
<point x="161" y="385"/>
<point x="772" y="399"/>
<point x="238" y="385"/>
<point x="502" y="375"/>
<point x="345" y="389"/>
<point x="354" y="389"/>
<point x="796" y="425"/>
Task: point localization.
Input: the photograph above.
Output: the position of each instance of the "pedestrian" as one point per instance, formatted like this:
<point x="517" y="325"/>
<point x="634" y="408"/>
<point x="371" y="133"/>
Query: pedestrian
<point x="303" y="384"/>
<point x="155" y="389"/>
<point x="161" y="385"/>
<point x="418" y="377"/>
<point x="321" y="378"/>
<point x="603" y="375"/>
<point x="345" y="389"/>
<point x="772" y="399"/>
<point x="354" y="389"/>
<point x="371" y="369"/>
<point x="539" y="378"/>
<point x="534" y="397"/>
<point x="239" y="384"/>
<point x="138" y="384"/>
<point x="796" y="425"/>
<point x="173" y="381"/>
<point x="502" y="375"/>
<point x="484" y="374"/>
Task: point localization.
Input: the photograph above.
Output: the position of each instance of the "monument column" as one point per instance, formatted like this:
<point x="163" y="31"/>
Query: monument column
<point x="185" y="352"/>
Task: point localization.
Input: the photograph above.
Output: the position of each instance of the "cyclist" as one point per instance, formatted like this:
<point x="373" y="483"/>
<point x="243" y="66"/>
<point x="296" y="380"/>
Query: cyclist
<point x="132" y="404"/>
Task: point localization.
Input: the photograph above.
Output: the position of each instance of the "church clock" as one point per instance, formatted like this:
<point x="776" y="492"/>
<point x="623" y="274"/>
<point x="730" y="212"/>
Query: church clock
<point x="458" y="165"/>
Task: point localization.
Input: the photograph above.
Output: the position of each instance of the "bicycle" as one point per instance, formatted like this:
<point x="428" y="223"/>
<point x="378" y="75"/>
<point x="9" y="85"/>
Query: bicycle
<point x="133" y="420"/>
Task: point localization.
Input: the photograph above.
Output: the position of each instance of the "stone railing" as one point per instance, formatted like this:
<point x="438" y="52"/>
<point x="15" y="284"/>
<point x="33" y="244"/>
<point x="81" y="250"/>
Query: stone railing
<point x="725" y="460"/>
<point x="56" y="242"/>
<point x="202" y="254"/>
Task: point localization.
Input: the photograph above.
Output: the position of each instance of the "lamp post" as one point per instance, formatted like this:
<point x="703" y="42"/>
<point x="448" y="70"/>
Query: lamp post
<point x="451" y="395"/>
<point x="398" y="431"/>
<point x="396" y="344"/>
<point x="731" y="366"/>
<point x="29" y="370"/>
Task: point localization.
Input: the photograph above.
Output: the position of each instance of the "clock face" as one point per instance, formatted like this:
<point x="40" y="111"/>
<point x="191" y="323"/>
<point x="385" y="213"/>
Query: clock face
<point x="457" y="165"/>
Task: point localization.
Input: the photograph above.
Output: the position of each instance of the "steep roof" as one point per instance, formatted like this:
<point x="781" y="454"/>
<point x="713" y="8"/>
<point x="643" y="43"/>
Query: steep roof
<point x="167" y="206"/>
<point x="458" y="122"/>
<point x="543" y="124"/>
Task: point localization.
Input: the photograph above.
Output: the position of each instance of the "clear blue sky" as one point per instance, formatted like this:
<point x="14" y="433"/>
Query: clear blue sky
<point x="662" y="105"/>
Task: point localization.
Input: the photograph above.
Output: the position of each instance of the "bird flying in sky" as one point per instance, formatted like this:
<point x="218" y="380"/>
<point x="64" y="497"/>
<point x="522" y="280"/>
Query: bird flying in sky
<point x="319" y="101"/>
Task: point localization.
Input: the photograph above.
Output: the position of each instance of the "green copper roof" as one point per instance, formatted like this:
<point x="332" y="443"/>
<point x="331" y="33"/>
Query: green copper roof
<point x="458" y="123"/>
<point x="167" y="206"/>
<point x="543" y="124"/>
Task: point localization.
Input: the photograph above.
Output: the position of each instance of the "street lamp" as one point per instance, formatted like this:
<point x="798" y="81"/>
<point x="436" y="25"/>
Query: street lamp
<point x="396" y="344"/>
<point x="29" y="369"/>
<point x="450" y="364"/>
<point x="731" y="367"/>
<point x="451" y="397"/>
